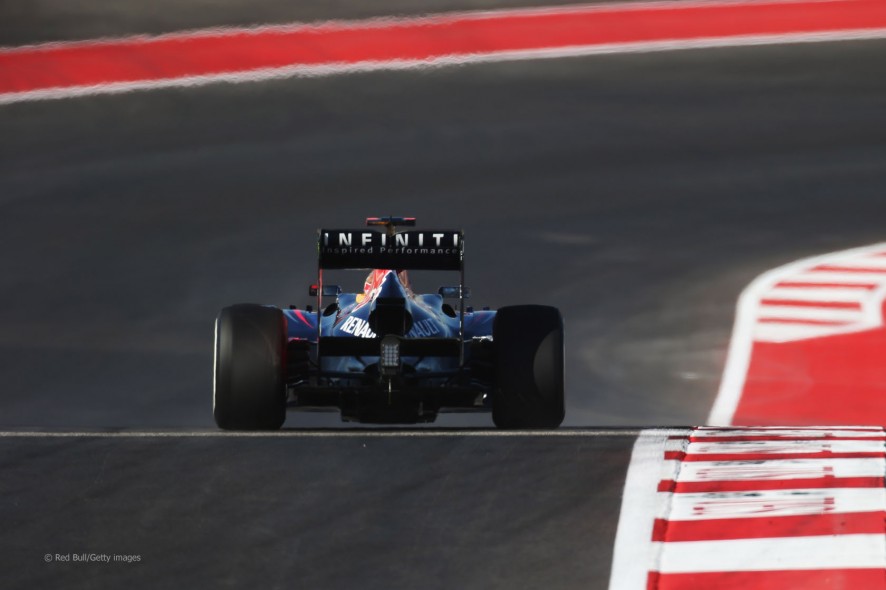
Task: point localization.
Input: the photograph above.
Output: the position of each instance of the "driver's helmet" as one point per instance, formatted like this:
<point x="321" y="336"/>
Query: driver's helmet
<point x="375" y="278"/>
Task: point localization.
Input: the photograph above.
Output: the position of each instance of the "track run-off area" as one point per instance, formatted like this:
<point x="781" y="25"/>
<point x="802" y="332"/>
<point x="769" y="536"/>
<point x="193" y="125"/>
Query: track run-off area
<point x="649" y="164"/>
<point x="808" y="343"/>
<point x="56" y="70"/>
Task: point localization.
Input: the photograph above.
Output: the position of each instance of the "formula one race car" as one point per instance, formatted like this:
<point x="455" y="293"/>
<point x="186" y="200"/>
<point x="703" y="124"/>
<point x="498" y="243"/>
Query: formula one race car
<point x="388" y="355"/>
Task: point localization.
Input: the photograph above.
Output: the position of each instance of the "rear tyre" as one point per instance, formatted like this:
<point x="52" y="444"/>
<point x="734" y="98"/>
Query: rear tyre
<point x="528" y="359"/>
<point x="249" y="390"/>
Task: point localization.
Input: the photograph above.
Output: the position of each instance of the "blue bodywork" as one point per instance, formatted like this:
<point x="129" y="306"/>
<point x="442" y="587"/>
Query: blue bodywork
<point x="349" y="318"/>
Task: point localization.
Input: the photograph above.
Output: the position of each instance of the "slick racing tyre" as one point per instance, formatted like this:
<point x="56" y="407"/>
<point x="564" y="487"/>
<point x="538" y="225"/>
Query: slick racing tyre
<point x="249" y="391"/>
<point x="528" y="359"/>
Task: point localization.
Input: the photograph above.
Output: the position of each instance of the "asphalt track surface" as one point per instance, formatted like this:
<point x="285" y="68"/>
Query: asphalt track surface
<point x="639" y="193"/>
<point x="284" y="512"/>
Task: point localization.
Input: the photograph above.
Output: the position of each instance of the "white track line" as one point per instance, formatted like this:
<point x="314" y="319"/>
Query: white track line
<point x="773" y="503"/>
<point x="783" y="331"/>
<point x="830" y="276"/>
<point x="781" y="432"/>
<point x="774" y="470"/>
<point x="821" y="314"/>
<point x="633" y="553"/>
<point x="817" y="294"/>
<point x="776" y="554"/>
<point x="775" y="448"/>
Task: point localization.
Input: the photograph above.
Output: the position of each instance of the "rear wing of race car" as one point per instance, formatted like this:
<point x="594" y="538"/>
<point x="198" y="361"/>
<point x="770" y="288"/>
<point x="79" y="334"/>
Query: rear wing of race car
<point x="404" y="250"/>
<point x="364" y="249"/>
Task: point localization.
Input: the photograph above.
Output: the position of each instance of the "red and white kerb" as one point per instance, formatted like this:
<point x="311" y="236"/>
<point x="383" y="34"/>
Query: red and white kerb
<point x="755" y="509"/>
<point x="808" y="344"/>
